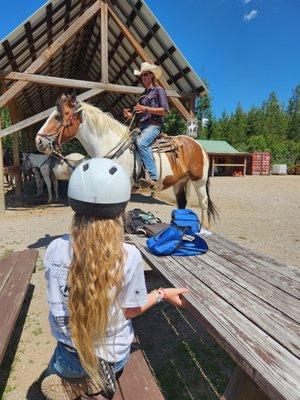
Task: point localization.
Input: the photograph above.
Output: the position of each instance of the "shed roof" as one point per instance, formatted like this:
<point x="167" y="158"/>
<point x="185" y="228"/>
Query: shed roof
<point x="80" y="58"/>
<point x="218" y="146"/>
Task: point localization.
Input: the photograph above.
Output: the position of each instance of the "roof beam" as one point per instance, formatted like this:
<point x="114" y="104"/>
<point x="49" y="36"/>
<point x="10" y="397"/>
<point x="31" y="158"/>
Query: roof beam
<point x="45" y="114"/>
<point x="49" y="53"/>
<point x="144" y="55"/>
<point x="80" y="84"/>
<point x="104" y="41"/>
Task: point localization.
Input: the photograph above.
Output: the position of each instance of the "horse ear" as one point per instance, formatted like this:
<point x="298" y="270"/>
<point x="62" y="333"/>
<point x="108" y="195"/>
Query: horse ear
<point x="72" y="99"/>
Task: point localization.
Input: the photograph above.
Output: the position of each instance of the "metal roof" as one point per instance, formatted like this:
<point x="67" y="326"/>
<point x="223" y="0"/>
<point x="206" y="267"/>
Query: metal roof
<point x="81" y="57"/>
<point x="218" y="147"/>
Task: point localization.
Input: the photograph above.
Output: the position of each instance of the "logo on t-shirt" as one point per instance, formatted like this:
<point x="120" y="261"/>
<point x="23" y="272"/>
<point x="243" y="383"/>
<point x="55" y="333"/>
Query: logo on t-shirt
<point x="62" y="320"/>
<point x="64" y="290"/>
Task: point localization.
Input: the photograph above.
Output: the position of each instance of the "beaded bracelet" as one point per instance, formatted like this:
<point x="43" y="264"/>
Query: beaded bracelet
<point x="160" y="293"/>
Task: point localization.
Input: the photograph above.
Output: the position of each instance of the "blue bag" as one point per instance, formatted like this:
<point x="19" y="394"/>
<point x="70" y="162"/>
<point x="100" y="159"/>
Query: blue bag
<point x="171" y="241"/>
<point x="186" y="218"/>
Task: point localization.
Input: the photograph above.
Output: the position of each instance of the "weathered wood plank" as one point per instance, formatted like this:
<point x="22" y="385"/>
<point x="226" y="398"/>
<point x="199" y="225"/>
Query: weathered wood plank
<point x="277" y="298"/>
<point x="265" y="277"/>
<point x="137" y="381"/>
<point x="104" y="42"/>
<point x="13" y="294"/>
<point x="283" y="329"/>
<point x="269" y="364"/>
<point x="51" y="51"/>
<point x="269" y="262"/>
<point x="6" y="267"/>
<point x="80" y="84"/>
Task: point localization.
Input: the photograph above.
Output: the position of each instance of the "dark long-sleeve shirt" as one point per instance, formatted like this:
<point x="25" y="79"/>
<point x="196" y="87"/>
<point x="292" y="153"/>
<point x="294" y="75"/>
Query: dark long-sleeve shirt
<point x="155" y="97"/>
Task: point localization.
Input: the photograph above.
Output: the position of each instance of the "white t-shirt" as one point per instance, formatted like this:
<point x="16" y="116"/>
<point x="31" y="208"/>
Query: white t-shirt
<point x="133" y="294"/>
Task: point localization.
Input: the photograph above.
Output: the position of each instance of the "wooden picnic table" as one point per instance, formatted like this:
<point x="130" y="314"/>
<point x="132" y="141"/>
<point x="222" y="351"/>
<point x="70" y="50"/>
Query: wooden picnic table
<point x="250" y="304"/>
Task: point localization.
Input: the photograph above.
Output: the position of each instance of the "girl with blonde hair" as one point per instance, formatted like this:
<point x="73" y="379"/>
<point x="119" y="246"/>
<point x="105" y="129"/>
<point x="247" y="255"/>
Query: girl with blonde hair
<point x="95" y="285"/>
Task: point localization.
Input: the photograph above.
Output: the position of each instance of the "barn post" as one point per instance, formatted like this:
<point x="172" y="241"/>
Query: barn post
<point x="16" y="157"/>
<point x="245" y="165"/>
<point x="2" y="193"/>
<point x="213" y="166"/>
<point x="104" y="42"/>
<point x="192" y="106"/>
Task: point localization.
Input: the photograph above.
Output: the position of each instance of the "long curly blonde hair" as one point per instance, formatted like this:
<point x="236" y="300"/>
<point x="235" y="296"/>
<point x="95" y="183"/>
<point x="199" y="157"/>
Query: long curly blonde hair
<point x="94" y="281"/>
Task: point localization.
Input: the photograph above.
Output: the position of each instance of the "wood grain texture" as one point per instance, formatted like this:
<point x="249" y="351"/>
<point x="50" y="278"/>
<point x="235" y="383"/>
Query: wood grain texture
<point x="279" y="326"/>
<point x="13" y="292"/>
<point x="272" y="367"/>
<point x="263" y="259"/>
<point x="269" y="293"/>
<point x="137" y="381"/>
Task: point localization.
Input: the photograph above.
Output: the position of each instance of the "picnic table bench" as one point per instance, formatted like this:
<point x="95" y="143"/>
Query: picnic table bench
<point x="15" y="274"/>
<point x="250" y="304"/>
<point x="137" y="381"/>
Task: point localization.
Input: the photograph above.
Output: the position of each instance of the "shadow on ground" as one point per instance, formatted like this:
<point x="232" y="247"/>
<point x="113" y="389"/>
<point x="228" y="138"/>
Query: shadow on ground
<point x="185" y="359"/>
<point x="141" y="198"/>
<point x="43" y="242"/>
<point x="30" y="200"/>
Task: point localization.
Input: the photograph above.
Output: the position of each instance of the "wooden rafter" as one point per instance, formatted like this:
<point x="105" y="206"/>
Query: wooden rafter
<point x="151" y="33"/>
<point x="47" y="54"/>
<point x="80" y="84"/>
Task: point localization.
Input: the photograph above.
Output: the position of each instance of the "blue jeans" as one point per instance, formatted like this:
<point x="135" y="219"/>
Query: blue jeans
<point x="144" y="141"/>
<point x="66" y="364"/>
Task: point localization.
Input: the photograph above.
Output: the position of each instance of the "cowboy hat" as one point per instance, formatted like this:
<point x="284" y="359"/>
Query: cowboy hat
<point x="146" y="67"/>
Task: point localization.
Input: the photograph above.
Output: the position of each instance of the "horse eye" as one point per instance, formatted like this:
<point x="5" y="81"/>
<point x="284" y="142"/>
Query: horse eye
<point x="58" y="117"/>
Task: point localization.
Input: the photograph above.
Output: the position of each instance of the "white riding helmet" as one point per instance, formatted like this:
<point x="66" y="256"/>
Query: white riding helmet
<point x="99" y="187"/>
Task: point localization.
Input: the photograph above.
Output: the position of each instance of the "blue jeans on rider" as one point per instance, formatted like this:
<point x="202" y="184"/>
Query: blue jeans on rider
<point x="66" y="364"/>
<point x="144" y="142"/>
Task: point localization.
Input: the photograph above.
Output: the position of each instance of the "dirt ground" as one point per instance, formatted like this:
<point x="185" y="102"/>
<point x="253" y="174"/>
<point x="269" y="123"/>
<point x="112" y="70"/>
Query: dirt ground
<point x="259" y="212"/>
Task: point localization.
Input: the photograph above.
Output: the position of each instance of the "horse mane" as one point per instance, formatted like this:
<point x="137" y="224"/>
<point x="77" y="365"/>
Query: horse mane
<point x="102" y="121"/>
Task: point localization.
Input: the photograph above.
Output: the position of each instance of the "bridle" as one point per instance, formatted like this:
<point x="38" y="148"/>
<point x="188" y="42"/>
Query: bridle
<point x="60" y="131"/>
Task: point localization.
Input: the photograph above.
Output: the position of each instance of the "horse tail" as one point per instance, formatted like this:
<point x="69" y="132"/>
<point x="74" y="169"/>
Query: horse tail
<point x="212" y="210"/>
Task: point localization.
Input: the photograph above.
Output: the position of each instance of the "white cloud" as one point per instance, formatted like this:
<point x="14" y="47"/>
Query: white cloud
<point x="246" y="1"/>
<point x="252" y="14"/>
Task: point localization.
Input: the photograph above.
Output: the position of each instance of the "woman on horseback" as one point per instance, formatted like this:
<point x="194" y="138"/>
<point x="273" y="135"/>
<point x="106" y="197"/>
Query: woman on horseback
<point x="152" y="107"/>
<point x="95" y="285"/>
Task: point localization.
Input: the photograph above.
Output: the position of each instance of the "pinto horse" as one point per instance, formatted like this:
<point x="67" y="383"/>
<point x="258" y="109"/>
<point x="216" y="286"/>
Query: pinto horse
<point x="100" y="134"/>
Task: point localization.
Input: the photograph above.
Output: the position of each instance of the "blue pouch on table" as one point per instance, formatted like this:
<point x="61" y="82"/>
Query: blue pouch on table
<point x="171" y="241"/>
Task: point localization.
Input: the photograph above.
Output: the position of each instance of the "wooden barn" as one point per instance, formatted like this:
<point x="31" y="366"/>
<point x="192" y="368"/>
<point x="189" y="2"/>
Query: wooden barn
<point x="92" y="46"/>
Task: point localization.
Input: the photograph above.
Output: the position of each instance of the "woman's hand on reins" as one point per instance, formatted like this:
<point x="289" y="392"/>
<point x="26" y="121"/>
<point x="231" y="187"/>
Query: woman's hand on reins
<point x="140" y="108"/>
<point x="127" y="114"/>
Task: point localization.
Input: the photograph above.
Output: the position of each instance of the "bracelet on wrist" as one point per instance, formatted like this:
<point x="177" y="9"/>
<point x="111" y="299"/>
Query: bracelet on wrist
<point x="160" y="295"/>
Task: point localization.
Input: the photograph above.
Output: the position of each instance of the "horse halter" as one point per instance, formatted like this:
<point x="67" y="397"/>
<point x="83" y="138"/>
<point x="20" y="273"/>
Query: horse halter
<point x="60" y="130"/>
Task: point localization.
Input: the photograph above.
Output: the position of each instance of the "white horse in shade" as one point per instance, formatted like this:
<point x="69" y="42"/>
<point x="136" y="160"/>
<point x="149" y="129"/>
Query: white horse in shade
<point x="44" y="169"/>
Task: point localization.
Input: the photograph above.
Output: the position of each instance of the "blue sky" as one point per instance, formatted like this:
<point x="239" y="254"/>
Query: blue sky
<point x="244" y="48"/>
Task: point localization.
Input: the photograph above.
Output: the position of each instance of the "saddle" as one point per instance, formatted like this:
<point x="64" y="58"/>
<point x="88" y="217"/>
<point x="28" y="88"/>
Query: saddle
<point x="164" y="144"/>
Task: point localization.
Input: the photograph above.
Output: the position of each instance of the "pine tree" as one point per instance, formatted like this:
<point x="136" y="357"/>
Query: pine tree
<point x="293" y="112"/>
